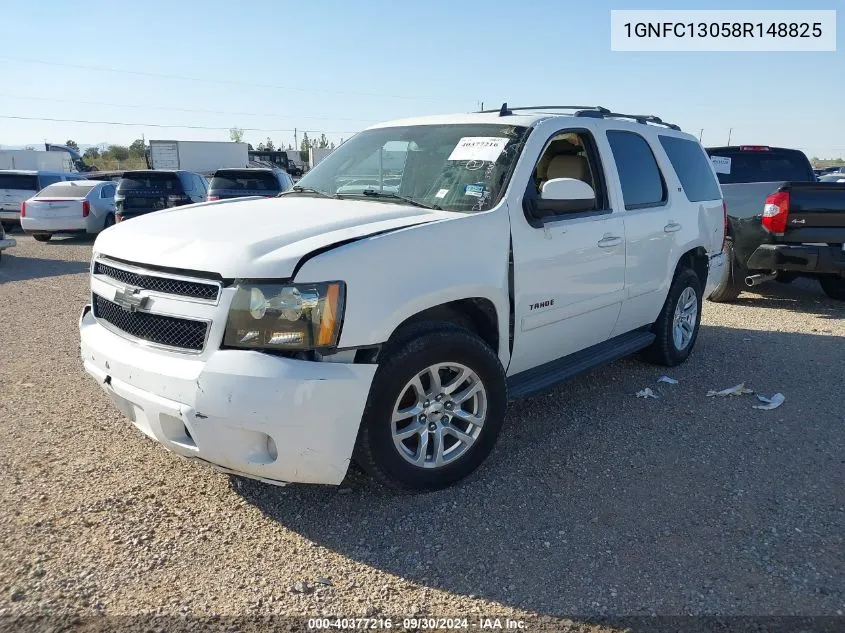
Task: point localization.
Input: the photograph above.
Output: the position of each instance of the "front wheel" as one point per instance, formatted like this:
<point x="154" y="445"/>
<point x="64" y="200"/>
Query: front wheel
<point x="833" y="286"/>
<point x="435" y="409"/>
<point x="676" y="328"/>
<point x="42" y="237"/>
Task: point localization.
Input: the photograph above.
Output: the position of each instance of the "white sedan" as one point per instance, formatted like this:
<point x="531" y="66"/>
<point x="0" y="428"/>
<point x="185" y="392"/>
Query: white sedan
<point x="77" y="206"/>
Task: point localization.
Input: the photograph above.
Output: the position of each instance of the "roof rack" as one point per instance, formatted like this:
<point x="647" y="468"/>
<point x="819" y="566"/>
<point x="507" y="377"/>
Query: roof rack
<point x="593" y="112"/>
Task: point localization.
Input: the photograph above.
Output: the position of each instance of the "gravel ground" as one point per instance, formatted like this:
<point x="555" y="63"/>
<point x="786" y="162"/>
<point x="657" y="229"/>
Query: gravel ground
<point x="594" y="504"/>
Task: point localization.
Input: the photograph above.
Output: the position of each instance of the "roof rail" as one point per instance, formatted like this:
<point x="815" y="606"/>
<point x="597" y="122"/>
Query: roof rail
<point x="505" y="110"/>
<point x="639" y="118"/>
<point x="593" y="112"/>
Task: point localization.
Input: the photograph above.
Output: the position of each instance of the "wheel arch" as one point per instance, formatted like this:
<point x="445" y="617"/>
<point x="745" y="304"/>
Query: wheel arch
<point x="697" y="260"/>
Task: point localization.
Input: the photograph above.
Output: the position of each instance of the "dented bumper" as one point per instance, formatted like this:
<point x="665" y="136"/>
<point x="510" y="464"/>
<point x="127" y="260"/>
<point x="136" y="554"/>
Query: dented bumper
<point x="266" y="417"/>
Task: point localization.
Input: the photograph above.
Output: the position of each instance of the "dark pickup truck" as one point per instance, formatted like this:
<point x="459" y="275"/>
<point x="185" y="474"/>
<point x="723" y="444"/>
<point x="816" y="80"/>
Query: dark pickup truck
<point x="782" y="222"/>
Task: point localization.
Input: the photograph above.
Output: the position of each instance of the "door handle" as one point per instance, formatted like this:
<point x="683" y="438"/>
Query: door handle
<point x="672" y="227"/>
<point x="609" y="241"/>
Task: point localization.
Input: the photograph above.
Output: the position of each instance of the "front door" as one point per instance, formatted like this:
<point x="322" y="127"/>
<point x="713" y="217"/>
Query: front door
<point x="568" y="263"/>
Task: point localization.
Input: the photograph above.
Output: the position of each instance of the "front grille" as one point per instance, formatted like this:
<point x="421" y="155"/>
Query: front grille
<point x="166" y="285"/>
<point x="155" y="328"/>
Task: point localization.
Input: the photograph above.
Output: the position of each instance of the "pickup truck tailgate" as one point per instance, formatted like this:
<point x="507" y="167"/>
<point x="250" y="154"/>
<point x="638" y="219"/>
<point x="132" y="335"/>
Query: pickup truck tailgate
<point x="816" y="213"/>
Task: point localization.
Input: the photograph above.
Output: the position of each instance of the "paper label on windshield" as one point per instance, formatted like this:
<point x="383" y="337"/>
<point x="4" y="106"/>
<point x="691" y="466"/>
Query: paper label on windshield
<point x="485" y="148"/>
<point x="441" y="194"/>
<point x="722" y="164"/>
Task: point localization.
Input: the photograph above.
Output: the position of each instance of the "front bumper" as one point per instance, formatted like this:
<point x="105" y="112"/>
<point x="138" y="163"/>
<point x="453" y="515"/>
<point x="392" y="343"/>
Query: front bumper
<point x="807" y="258"/>
<point x="244" y="412"/>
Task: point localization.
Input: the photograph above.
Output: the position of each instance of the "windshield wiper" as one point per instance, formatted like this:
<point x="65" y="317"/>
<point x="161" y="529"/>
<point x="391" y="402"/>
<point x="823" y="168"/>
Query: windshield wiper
<point x="298" y="189"/>
<point x="389" y="194"/>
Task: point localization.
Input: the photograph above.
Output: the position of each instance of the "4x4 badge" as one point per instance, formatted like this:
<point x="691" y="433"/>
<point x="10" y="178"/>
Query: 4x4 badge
<point x="130" y="300"/>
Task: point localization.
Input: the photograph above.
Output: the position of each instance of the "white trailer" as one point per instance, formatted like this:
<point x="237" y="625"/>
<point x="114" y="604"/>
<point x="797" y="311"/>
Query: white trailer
<point x="35" y="160"/>
<point x="203" y="157"/>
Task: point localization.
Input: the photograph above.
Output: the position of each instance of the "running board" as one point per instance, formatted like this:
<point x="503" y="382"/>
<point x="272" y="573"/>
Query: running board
<point x="546" y="376"/>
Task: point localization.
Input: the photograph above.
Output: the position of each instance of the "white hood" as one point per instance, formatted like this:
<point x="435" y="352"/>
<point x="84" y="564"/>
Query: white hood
<point x="258" y="238"/>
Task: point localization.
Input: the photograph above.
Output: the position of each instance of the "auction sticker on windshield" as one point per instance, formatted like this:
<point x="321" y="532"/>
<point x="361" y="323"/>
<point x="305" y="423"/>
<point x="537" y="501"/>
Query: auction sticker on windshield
<point x="485" y="148"/>
<point x="722" y="164"/>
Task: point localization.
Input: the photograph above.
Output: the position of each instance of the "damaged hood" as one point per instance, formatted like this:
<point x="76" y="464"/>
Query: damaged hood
<point x="258" y="238"/>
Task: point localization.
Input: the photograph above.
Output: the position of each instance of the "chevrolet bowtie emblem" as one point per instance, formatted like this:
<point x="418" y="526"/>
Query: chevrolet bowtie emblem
<point x="130" y="300"/>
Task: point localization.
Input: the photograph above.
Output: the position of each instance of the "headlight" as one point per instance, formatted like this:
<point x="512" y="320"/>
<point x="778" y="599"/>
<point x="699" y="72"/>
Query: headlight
<point x="285" y="317"/>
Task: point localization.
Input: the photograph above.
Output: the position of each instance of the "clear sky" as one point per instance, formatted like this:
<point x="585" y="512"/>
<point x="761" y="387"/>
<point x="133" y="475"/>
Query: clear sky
<point x="334" y="66"/>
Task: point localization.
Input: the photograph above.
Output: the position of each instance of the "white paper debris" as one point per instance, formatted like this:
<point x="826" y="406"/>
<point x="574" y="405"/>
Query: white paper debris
<point x="485" y="148"/>
<point x="770" y="403"/>
<point x="645" y="393"/>
<point x="668" y="380"/>
<point x="736" y="390"/>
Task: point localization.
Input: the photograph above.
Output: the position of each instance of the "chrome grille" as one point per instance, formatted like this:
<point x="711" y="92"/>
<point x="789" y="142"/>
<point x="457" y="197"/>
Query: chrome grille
<point x="169" y="331"/>
<point x="165" y="285"/>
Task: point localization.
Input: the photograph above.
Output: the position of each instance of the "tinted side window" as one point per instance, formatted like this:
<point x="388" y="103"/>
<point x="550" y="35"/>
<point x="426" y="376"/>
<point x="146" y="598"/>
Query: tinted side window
<point x="693" y="168"/>
<point x="188" y="184"/>
<point x="107" y="192"/>
<point x="201" y="184"/>
<point x="640" y="177"/>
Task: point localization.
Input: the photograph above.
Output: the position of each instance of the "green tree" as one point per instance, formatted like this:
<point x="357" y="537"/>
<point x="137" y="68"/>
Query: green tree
<point x="323" y="142"/>
<point x="117" y="152"/>
<point x="72" y="145"/>
<point x="268" y="145"/>
<point x="91" y="152"/>
<point x="304" y="146"/>
<point x="137" y="148"/>
<point x="236" y="134"/>
<point x="261" y="147"/>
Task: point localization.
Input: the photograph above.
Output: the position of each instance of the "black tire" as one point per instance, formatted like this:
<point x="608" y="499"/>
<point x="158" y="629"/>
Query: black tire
<point x="410" y="353"/>
<point x="109" y="221"/>
<point x="664" y="350"/>
<point x="833" y="286"/>
<point x="733" y="279"/>
<point x="42" y="237"/>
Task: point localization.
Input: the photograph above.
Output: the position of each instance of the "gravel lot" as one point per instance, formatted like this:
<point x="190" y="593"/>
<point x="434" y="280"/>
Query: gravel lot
<point x="594" y="504"/>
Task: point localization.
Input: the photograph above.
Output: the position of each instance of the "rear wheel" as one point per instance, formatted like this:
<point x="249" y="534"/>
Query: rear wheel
<point x="833" y="286"/>
<point x="435" y="409"/>
<point x="733" y="277"/>
<point x="676" y="328"/>
<point x="42" y="237"/>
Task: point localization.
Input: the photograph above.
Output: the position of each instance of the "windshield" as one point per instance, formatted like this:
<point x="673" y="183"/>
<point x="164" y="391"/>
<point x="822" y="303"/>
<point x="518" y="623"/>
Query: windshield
<point x="740" y="166"/>
<point x="451" y="167"/>
<point x="160" y="183"/>
<point x="65" y="190"/>
<point x="245" y="182"/>
<point x="19" y="181"/>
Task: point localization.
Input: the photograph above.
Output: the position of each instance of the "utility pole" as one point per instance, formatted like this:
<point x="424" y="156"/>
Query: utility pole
<point x="295" y="140"/>
<point x="729" y="135"/>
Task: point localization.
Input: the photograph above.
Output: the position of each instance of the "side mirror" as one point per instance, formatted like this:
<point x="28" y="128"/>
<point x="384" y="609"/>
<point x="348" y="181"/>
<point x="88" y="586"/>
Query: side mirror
<point x="571" y="190"/>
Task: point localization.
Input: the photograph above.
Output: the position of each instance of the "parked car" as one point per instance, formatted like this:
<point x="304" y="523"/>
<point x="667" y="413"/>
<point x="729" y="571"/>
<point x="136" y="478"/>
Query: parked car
<point x="144" y="191"/>
<point x="833" y="177"/>
<point x="390" y="328"/>
<point x="782" y="222"/>
<point x="240" y="183"/>
<point x="5" y="241"/>
<point x="17" y="185"/>
<point x="78" y="206"/>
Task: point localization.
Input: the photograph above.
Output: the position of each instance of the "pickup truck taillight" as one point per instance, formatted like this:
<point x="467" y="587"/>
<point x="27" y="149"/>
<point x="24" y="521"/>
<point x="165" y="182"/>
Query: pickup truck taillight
<point x="776" y="212"/>
<point x="86" y="208"/>
<point x="23" y="209"/>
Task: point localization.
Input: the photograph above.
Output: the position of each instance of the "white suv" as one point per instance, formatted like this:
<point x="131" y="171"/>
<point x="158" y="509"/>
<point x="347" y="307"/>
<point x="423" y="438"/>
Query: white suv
<point x="281" y="338"/>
